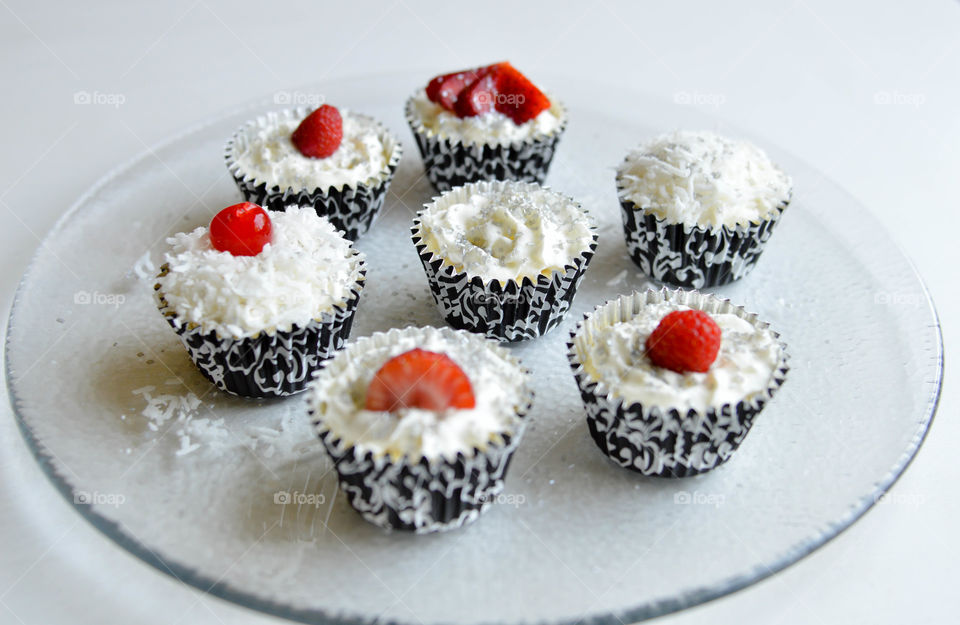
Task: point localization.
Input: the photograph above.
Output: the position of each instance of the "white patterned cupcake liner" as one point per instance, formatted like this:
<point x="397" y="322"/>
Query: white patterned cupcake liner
<point x="265" y="365"/>
<point x="417" y="494"/>
<point x="451" y="163"/>
<point x="516" y="311"/>
<point x="654" y="440"/>
<point x="351" y="208"/>
<point x="693" y="257"/>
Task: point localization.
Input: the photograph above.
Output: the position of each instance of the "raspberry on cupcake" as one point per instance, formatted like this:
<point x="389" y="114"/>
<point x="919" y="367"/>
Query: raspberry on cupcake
<point x="486" y="123"/>
<point x="421" y="424"/>
<point x="504" y="259"/>
<point x="673" y="380"/>
<point x="335" y="161"/>
<point x="698" y="208"/>
<point x="260" y="298"/>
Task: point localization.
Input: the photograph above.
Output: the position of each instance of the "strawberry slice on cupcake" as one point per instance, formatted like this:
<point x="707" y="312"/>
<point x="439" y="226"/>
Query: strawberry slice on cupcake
<point x="485" y="123"/>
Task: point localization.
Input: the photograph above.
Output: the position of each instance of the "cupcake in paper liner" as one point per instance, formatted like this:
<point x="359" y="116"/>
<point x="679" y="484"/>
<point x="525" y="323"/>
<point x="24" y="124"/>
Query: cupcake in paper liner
<point x="260" y="299"/>
<point x="698" y="208"/>
<point x="504" y="259"/>
<point x="488" y="123"/>
<point x="673" y="422"/>
<point x="344" y="179"/>
<point x="421" y="424"/>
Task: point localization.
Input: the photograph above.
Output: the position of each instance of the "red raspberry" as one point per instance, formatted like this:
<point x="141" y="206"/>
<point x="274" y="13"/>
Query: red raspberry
<point x="320" y="133"/>
<point x="242" y="229"/>
<point x="685" y="340"/>
<point x="420" y="379"/>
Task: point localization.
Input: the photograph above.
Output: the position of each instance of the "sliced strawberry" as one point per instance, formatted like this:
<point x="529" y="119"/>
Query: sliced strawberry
<point x="420" y="379"/>
<point x="517" y="97"/>
<point x="444" y="89"/>
<point x="320" y="133"/>
<point x="477" y="98"/>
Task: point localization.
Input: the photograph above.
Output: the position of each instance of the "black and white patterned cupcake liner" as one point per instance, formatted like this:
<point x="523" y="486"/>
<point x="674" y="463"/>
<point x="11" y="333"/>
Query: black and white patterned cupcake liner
<point x="660" y="441"/>
<point x="265" y="365"/>
<point x="450" y="163"/>
<point x="418" y="494"/>
<point x="693" y="257"/>
<point x="351" y="208"/>
<point x="516" y="311"/>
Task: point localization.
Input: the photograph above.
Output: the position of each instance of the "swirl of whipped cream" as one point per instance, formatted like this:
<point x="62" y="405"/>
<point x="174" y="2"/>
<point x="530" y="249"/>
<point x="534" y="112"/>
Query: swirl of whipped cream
<point x="505" y="230"/>
<point x="616" y="356"/>
<point x="499" y="385"/>
<point x="493" y="128"/>
<point x="703" y="179"/>
<point x="271" y="157"/>
<point x="306" y="270"/>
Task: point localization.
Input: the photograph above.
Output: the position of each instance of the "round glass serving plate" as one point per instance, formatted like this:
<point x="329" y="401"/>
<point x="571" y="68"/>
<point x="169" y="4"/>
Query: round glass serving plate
<point x="236" y="497"/>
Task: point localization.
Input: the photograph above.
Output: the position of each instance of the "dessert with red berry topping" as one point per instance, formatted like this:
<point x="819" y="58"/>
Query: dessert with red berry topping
<point x="673" y="380"/>
<point x="485" y="123"/>
<point x="421" y="424"/>
<point x="260" y="298"/>
<point x="504" y="258"/>
<point x="699" y="208"/>
<point x="338" y="162"/>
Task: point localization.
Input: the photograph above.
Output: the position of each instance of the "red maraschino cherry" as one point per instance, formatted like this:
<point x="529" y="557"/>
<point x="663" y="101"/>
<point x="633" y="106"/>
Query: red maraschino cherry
<point x="242" y="229"/>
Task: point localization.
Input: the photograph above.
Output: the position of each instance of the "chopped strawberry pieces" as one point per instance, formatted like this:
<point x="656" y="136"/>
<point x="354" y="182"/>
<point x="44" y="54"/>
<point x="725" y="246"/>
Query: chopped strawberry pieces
<point x="478" y="97"/>
<point x="444" y="89"/>
<point x="498" y="87"/>
<point x="517" y="97"/>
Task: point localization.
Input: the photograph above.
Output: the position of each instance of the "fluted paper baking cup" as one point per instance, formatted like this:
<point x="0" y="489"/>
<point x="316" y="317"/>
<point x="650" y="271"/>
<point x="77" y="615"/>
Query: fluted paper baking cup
<point x="693" y="257"/>
<point x="415" y="493"/>
<point x="514" y="311"/>
<point x="451" y="163"/>
<point x="655" y="440"/>
<point x="351" y="208"/>
<point x="266" y="364"/>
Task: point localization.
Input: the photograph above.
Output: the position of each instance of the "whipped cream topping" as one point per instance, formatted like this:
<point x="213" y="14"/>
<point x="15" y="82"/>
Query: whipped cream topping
<point x="306" y="270"/>
<point x="493" y="128"/>
<point x="703" y="179"/>
<point x="338" y="396"/>
<point x="266" y="153"/>
<point x="616" y="356"/>
<point x="505" y="230"/>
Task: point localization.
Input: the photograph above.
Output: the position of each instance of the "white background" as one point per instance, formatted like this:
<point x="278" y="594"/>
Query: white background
<point x="868" y="92"/>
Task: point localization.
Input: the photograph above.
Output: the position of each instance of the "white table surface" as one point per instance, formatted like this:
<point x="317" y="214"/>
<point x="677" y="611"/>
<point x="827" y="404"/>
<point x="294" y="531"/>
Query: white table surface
<point x="868" y="92"/>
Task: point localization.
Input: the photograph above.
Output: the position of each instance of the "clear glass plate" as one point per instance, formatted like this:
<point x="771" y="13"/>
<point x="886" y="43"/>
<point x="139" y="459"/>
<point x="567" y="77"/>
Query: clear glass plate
<point x="252" y="514"/>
